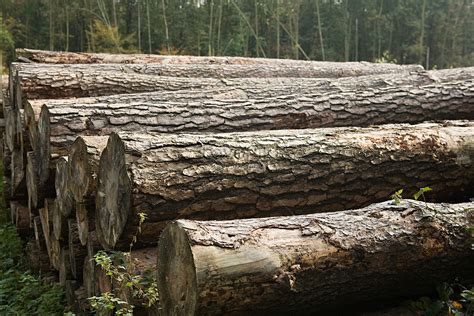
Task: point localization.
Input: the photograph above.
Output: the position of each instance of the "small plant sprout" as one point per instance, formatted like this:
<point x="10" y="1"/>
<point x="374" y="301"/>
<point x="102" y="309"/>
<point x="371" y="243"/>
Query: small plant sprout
<point x="421" y="192"/>
<point x="397" y="197"/>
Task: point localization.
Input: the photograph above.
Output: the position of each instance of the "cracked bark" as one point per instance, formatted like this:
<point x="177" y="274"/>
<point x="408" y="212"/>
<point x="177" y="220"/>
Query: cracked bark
<point x="271" y="173"/>
<point x="37" y="81"/>
<point x="54" y="124"/>
<point x="312" y="262"/>
<point x="51" y="57"/>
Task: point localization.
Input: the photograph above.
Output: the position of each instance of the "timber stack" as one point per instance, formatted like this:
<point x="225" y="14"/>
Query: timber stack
<point x="240" y="185"/>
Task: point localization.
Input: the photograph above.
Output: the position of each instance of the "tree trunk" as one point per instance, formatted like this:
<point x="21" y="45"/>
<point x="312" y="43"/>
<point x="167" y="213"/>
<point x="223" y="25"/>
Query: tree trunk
<point x="37" y="81"/>
<point x="48" y="57"/>
<point x="269" y="104"/>
<point x="309" y="263"/>
<point x="269" y="173"/>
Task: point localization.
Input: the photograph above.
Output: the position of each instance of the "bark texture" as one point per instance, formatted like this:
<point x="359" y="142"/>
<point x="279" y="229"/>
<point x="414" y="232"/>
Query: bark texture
<point x="279" y="105"/>
<point x="276" y="104"/>
<point x="268" y="173"/>
<point x="52" y="57"/>
<point x="284" y="264"/>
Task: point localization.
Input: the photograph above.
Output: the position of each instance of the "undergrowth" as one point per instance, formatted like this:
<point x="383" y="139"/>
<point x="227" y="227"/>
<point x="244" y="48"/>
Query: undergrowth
<point x="21" y="291"/>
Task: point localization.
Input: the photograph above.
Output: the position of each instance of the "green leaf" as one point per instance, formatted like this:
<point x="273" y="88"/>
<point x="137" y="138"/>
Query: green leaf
<point x="420" y="192"/>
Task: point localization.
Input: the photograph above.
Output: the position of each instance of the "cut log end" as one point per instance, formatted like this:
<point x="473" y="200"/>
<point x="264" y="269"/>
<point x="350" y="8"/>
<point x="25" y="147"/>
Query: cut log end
<point x="178" y="296"/>
<point x="44" y="146"/>
<point x="79" y="169"/>
<point x="64" y="200"/>
<point x="113" y="200"/>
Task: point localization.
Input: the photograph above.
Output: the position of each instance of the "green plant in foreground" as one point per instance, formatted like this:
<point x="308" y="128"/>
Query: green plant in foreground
<point x="119" y="266"/>
<point x="21" y="291"/>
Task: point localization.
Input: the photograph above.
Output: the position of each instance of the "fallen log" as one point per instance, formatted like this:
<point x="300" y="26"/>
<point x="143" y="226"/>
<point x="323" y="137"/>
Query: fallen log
<point x="39" y="81"/>
<point x="54" y="57"/>
<point x="340" y="103"/>
<point x="312" y="262"/>
<point x="271" y="173"/>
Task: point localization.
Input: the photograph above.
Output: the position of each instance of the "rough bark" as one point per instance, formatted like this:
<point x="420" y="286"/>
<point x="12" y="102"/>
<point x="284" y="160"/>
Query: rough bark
<point x="39" y="81"/>
<point x="283" y="264"/>
<point x="267" y="173"/>
<point x="64" y="198"/>
<point x="277" y="105"/>
<point x="84" y="155"/>
<point x="53" y="57"/>
<point x="77" y="252"/>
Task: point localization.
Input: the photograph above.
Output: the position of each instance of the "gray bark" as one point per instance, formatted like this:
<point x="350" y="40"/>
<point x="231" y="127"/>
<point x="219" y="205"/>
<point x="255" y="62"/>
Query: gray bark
<point x="268" y="173"/>
<point x="312" y="262"/>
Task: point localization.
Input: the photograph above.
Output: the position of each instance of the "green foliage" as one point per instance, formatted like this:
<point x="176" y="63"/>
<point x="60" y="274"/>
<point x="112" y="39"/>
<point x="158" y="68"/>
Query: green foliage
<point x="383" y="31"/>
<point x="22" y="292"/>
<point x="421" y="192"/>
<point x="452" y="300"/>
<point x="119" y="266"/>
<point x="397" y="197"/>
<point x="7" y="46"/>
<point x="106" y="38"/>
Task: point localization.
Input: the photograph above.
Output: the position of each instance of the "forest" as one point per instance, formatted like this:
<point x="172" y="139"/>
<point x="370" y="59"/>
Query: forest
<point x="434" y="33"/>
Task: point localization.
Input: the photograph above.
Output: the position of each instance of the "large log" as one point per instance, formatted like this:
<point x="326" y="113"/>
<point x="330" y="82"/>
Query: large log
<point x="267" y="173"/>
<point x="54" y="57"/>
<point x="77" y="252"/>
<point x="308" y="263"/>
<point x="285" y="104"/>
<point x="36" y="81"/>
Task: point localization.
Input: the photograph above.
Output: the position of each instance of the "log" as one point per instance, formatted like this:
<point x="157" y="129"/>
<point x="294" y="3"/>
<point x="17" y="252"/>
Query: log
<point x="64" y="266"/>
<point x="37" y="190"/>
<point x="77" y="252"/>
<point x="60" y="225"/>
<point x="40" y="81"/>
<point x="55" y="57"/>
<point x="271" y="173"/>
<point x="288" y="104"/>
<point x="21" y="218"/>
<point x="138" y="263"/>
<point x="84" y="155"/>
<point x="36" y="259"/>
<point x="64" y="198"/>
<point x="85" y="219"/>
<point x="46" y="223"/>
<point x="89" y="268"/>
<point x="38" y="233"/>
<point x="55" y="247"/>
<point x="18" y="185"/>
<point x="308" y="263"/>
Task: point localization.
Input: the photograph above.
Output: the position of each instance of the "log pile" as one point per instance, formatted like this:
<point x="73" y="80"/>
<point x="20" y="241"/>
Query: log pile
<point x="253" y="176"/>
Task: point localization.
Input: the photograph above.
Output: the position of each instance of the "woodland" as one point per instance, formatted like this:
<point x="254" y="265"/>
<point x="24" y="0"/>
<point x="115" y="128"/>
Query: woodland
<point x="235" y="157"/>
<point x="432" y="33"/>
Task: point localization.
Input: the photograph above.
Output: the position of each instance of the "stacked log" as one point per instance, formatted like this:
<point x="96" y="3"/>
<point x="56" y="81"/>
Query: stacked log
<point x="105" y="152"/>
<point x="312" y="262"/>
